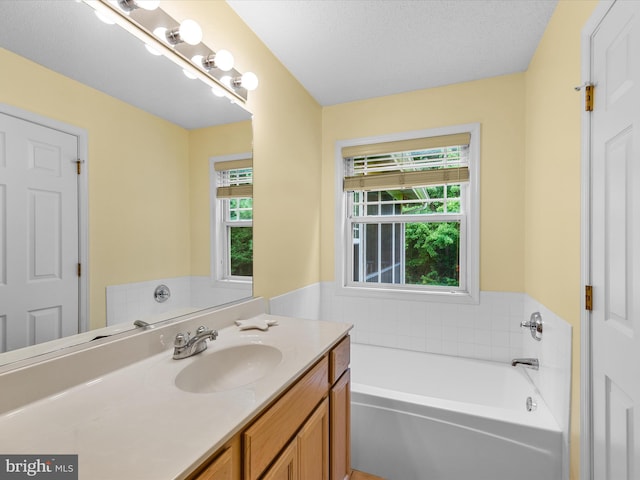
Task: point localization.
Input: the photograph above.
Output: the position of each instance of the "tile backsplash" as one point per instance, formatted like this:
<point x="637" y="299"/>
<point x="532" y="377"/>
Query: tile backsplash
<point x="490" y="330"/>
<point x="132" y="301"/>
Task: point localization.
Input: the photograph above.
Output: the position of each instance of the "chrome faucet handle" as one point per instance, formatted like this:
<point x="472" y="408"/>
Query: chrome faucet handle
<point x="202" y="329"/>
<point x="181" y="340"/>
<point x="534" y="325"/>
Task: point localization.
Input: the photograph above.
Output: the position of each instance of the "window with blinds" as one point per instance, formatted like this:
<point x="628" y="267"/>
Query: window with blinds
<point x="407" y="212"/>
<point x="234" y="180"/>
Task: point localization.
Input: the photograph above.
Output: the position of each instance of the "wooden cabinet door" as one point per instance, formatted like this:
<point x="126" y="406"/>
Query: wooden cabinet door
<point x="279" y="424"/>
<point x="313" y="445"/>
<point x="340" y="418"/>
<point x="219" y="469"/>
<point x="286" y="467"/>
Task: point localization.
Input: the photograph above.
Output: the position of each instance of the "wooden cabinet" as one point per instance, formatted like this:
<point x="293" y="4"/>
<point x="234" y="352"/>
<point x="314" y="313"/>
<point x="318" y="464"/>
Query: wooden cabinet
<point x="286" y="467"/>
<point x="340" y="422"/>
<point x="222" y="467"/>
<point x="278" y="425"/>
<point x="307" y="455"/>
<point x="339" y="359"/>
<point x="303" y="435"/>
<point x="313" y="445"/>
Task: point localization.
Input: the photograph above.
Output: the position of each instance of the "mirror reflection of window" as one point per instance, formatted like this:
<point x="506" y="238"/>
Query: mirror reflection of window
<point x="234" y="195"/>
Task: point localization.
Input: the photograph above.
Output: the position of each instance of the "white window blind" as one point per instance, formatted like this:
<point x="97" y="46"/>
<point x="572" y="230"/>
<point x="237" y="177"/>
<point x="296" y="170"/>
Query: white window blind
<point x="403" y="164"/>
<point x="235" y="179"/>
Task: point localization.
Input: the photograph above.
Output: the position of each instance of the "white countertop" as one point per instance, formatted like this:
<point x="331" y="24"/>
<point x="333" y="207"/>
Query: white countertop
<point x="135" y="424"/>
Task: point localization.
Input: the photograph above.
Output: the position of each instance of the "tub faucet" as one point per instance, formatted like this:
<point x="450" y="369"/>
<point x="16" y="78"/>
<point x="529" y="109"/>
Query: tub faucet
<point x="186" y="346"/>
<point x="526" y="362"/>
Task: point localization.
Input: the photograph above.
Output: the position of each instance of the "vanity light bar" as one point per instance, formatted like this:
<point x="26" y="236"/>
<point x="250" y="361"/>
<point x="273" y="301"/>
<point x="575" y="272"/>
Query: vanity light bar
<point x="142" y="23"/>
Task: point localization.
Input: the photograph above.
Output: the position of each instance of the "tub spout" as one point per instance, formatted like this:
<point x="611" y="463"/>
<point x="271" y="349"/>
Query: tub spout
<point x="526" y="362"/>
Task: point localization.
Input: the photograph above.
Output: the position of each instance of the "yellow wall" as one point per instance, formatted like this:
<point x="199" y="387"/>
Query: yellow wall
<point x="530" y="224"/>
<point x="205" y="143"/>
<point x="287" y="133"/>
<point x="140" y="158"/>
<point x="498" y="105"/>
<point x="287" y="127"/>
<point x="552" y="204"/>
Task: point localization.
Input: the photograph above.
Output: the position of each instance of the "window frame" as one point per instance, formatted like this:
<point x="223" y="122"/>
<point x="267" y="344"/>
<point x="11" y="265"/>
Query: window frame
<point x="469" y="234"/>
<point x="220" y="238"/>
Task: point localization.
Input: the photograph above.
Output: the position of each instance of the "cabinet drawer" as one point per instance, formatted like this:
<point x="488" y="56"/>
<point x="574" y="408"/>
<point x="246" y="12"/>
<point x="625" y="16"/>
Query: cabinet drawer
<point x="273" y="430"/>
<point x="339" y="359"/>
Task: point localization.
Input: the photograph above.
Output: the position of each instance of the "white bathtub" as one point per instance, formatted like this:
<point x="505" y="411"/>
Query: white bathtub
<point x="419" y="416"/>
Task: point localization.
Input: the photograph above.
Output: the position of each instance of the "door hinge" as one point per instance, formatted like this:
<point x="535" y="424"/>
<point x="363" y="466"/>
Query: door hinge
<point x="589" y="93"/>
<point x="79" y="269"/>
<point x="588" y="297"/>
<point x="79" y="166"/>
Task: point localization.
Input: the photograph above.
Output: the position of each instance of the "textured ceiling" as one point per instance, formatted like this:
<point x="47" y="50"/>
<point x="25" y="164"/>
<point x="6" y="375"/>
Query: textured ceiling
<point x="346" y="50"/>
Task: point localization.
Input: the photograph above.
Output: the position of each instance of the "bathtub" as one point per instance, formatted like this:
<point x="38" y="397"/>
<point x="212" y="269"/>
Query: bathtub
<point x="420" y="416"/>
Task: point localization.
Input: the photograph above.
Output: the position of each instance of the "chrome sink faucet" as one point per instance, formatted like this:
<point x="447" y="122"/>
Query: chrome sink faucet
<point x="526" y="362"/>
<point x="185" y="346"/>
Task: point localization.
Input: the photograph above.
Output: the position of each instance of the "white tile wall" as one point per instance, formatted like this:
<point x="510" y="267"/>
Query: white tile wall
<point x="489" y="330"/>
<point x="132" y="301"/>
<point x="553" y="379"/>
<point x="301" y="303"/>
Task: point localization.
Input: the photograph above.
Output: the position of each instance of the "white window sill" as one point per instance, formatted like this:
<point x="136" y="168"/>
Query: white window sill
<point x="232" y="283"/>
<point x="461" y="297"/>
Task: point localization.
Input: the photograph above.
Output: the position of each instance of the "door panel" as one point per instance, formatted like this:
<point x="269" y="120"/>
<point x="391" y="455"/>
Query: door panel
<point x="38" y="233"/>
<point x="615" y="241"/>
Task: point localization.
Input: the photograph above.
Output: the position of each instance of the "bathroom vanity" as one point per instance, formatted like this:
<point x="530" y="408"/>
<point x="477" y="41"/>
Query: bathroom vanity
<point x="256" y="404"/>
<point x="304" y="434"/>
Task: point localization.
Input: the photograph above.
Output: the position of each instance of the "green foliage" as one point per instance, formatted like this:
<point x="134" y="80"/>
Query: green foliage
<point x="241" y="251"/>
<point x="432" y="253"/>
<point x="240" y="209"/>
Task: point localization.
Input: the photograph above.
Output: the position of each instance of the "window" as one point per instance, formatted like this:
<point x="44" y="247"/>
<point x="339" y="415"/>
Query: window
<point x="233" y="250"/>
<point x="410" y="209"/>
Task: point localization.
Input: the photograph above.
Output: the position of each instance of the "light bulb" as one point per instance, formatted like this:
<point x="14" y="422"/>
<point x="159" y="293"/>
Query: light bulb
<point x="152" y="50"/>
<point x="217" y="91"/>
<point x="226" y="80"/>
<point x="190" y="32"/>
<point x="249" y="81"/>
<point x="189" y="74"/>
<point x="105" y="17"/>
<point x="224" y="60"/>
<point x="161" y="33"/>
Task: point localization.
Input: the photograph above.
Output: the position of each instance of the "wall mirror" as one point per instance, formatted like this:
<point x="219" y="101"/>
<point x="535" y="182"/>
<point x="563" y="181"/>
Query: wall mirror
<point x="145" y="137"/>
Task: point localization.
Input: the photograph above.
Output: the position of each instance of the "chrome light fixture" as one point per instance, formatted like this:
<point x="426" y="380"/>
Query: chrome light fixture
<point x="129" y="5"/>
<point x="222" y="60"/>
<point x="248" y="81"/>
<point x="189" y="32"/>
<point x="181" y="43"/>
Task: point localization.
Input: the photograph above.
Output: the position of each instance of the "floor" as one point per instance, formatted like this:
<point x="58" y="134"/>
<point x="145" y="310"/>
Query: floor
<point x="356" y="475"/>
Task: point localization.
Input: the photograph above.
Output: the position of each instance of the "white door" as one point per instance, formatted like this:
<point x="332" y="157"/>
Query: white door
<point x="615" y="254"/>
<point x="38" y="233"/>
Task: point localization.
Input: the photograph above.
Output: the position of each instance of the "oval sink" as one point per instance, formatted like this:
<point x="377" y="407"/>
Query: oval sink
<point x="228" y="368"/>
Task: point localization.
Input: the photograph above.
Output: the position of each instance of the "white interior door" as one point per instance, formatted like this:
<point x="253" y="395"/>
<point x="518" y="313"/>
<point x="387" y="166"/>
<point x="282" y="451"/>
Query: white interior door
<point x="615" y="243"/>
<point x="39" y="284"/>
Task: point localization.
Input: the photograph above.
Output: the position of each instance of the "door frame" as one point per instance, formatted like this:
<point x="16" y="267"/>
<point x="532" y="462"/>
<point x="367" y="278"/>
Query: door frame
<point x="586" y="391"/>
<point x="83" y="199"/>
